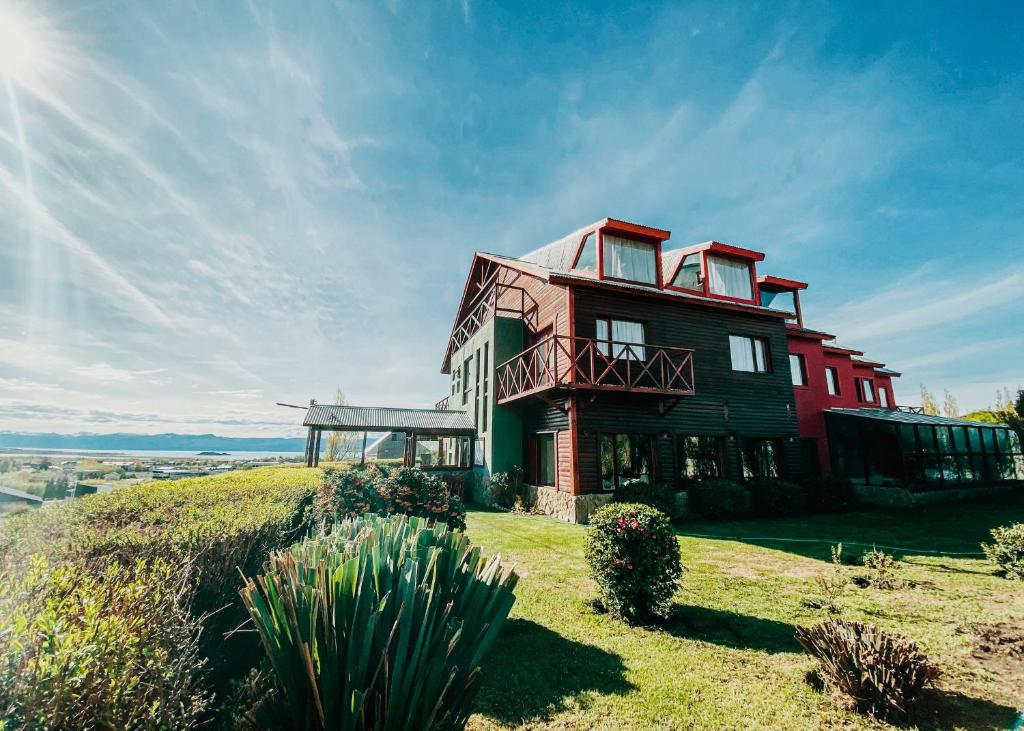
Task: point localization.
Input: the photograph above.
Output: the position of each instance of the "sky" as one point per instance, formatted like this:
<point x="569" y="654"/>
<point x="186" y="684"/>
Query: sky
<point x="207" y="208"/>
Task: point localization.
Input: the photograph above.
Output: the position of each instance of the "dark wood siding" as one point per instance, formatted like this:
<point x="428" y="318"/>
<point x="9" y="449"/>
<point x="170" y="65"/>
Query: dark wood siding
<point x="727" y="403"/>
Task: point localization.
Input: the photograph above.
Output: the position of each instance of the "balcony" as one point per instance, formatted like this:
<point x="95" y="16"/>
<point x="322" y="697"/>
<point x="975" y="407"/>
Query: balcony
<point x="442" y="405"/>
<point x="563" y="362"/>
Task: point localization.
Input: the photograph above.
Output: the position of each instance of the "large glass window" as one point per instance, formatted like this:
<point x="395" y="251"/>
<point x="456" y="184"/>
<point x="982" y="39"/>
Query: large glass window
<point x="625" y="457"/>
<point x="748" y="354"/>
<point x="700" y="457"/>
<point x="865" y="390"/>
<point x="798" y="369"/>
<point x="614" y="335"/>
<point x="832" y="380"/>
<point x="688" y="276"/>
<point x="729" y="277"/>
<point x="443" y="452"/>
<point x="628" y="259"/>
<point x="587" y="261"/>
<point x="546" y="459"/>
<point x="761" y="458"/>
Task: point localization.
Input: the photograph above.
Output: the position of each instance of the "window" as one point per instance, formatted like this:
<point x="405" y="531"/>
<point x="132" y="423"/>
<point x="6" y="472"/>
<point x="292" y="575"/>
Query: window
<point x="587" y="260"/>
<point x="688" y="276"/>
<point x="700" y="457"/>
<point x="478" y="453"/>
<point x="865" y="390"/>
<point x="761" y="458"/>
<point x="781" y="301"/>
<point x="625" y="457"/>
<point x="613" y="335"/>
<point x="798" y="369"/>
<point x="487" y="381"/>
<point x="476" y="387"/>
<point x="434" y="451"/>
<point x="546" y="459"/>
<point x="883" y="397"/>
<point x="748" y="354"/>
<point x="832" y="380"/>
<point x="632" y="260"/>
<point x="730" y="278"/>
<point x="467" y="379"/>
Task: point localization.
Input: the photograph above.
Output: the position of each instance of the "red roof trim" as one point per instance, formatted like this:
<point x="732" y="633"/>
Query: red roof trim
<point x="717" y="247"/>
<point x="795" y="331"/>
<point x="643" y="290"/>
<point x="841" y="351"/>
<point x="634" y="229"/>
<point x="780" y="282"/>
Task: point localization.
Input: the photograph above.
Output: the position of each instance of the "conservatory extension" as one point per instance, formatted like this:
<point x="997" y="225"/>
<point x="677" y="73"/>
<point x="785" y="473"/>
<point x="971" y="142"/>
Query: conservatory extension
<point x="893" y="448"/>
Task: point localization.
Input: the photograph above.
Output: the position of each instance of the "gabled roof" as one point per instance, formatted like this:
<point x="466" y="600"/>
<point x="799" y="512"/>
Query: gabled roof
<point x="383" y="418"/>
<point x="717" y="247"/>
<point x="906" y="417"/>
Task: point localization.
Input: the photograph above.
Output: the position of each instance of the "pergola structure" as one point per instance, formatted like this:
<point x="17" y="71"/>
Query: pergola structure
<point x="414" y="423"/>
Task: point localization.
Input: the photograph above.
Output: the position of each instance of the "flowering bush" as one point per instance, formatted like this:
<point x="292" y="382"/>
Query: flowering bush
<point x="634" y="558"/>
<point x="384" y="490"/>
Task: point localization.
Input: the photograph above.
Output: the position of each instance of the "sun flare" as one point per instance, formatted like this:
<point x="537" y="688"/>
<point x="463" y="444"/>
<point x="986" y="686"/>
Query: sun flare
<point x="22" y="46"/>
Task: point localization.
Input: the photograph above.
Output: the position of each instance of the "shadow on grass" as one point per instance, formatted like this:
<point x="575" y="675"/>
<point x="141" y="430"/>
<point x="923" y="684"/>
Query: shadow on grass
<point x="957" y="527"/>
<point x="532" y="671"/>
<point x="730" y="629"/>
<point x="942" y="709"/>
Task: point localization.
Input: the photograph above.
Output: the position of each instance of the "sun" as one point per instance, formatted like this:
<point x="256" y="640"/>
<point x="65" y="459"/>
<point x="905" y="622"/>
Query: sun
<point x="21" y="49"/>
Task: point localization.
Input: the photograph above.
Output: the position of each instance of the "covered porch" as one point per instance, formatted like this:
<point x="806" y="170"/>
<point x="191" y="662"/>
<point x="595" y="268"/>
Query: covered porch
<point x="434" y="438"/>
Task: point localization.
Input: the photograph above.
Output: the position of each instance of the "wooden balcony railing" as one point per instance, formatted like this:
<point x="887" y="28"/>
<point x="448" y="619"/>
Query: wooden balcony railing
<point x="560" y="361"/>
<point x="442" y="405"/>
<point x="911" y="409"/>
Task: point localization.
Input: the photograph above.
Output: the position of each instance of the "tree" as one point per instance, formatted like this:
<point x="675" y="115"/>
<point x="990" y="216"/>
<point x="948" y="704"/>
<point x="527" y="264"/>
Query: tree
<point x="340" y="444"/>
<point x="949" y="404"/>
<point x="928" y="403"/>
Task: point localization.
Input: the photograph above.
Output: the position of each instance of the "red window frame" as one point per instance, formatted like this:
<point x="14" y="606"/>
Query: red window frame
<point x="835" y="381"/>
<point x="705" y="290"/>
<point x="860" y="390"/>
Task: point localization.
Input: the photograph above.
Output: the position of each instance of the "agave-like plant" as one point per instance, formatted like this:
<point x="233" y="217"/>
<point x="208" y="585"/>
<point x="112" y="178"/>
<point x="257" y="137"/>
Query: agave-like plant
<point x="381" y="624"/>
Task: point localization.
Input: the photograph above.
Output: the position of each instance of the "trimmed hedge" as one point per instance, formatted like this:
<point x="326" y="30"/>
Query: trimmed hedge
<point x="634" y="558"/>
<point x="658" y="495"/>
<point x="384" y="490"/>
<point x="771" y="498"/>
<point x="828" y="494"/>
<point x="720" y="499"/>
<point x="120" y="650"/>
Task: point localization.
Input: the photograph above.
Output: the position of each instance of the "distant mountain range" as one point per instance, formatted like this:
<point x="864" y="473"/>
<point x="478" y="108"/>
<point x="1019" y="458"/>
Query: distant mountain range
<point x="149" y="442"/>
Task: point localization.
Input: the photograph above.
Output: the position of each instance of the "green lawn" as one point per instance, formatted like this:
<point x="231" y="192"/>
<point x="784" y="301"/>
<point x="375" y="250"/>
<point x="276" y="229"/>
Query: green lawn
<point x="727" y="658"/>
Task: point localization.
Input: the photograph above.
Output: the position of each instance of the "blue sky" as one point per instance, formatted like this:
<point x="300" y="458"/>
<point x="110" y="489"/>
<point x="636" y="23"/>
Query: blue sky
<point x="209" y="207"/>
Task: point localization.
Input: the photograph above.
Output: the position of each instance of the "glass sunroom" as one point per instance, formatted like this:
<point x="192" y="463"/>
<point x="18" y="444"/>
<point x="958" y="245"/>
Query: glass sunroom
<point x="895" y="448"/>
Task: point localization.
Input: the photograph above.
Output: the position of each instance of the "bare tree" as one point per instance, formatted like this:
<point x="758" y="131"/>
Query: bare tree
<point x="949" y="404"/>
<point x="339" y="443"/>
<point x="928" y="403"/>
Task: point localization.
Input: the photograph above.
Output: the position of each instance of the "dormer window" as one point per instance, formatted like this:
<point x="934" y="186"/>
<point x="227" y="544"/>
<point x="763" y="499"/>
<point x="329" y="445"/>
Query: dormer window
<point x="587" y="260"/>
<point x="688" y="276"/>
<point x="634" y="261"/>
<point x="730" y="278"/>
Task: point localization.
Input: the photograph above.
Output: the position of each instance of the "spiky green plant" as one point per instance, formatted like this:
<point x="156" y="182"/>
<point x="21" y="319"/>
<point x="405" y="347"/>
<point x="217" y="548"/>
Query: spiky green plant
<point x="382" y="624"/>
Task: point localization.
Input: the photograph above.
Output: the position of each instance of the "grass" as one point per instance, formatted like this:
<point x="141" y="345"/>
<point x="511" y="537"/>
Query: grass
<point x="727" y="658"/>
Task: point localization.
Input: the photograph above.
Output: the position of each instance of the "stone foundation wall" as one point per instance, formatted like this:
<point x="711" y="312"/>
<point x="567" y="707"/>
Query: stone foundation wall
<point x="899" y="497"/>
<point x="578" y="508"/>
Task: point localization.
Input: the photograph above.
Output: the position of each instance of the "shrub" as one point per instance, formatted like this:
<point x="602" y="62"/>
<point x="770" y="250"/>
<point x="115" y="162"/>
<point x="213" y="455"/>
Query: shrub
<point x="883" y="570"/>
<point x="384" y="490"/>
<point x="509" y="490"/>
<point x="413" y="611"/>
<point x="878" y="672"/>
<point x="828" y="494"/>
<point x="118" y="651"/>
<point x="831" y="584"/>
<point x="634" y="558"/>
<point x="719" y="499"/>
<point x="1007" y="550"/>
<point x="656" y="494"/>
<point x="776" y="497"/>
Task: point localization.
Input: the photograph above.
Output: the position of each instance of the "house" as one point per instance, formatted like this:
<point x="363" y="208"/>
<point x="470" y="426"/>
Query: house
<point x="606" y="356"/>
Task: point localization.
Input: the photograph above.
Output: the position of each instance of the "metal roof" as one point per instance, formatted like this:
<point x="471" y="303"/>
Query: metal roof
<point x="19" y="494"/>
<point x="906" y="417"/>
<point x="381" y="418"/>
